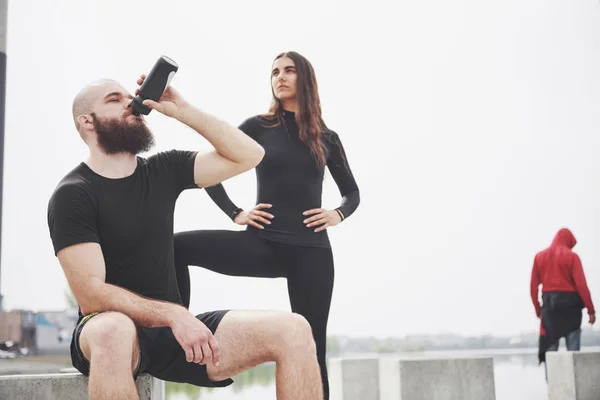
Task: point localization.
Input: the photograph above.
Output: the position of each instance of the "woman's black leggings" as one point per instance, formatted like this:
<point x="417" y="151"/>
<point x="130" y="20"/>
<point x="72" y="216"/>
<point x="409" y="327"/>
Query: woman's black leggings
<point x="309" y="272"/>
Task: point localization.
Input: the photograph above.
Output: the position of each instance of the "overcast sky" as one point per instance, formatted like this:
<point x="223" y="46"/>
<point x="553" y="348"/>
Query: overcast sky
<point x="472" y="128"/>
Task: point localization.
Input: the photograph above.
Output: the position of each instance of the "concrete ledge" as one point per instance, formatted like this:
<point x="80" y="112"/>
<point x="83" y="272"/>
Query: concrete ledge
<point x="70" y="386"/>
<point x="444" y="379"/>
<point x="354" y="379"/>
<point x="412" y="379"/>
<point x="573" y="375"/>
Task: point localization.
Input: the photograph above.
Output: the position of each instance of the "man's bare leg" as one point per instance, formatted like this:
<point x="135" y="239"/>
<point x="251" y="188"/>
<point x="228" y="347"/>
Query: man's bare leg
<point x="249" y="338"/>
<point x="109" y="342"/>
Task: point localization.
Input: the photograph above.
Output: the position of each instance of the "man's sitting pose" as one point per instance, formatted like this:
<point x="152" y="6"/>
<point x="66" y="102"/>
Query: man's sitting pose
<point x="111" y="224"/>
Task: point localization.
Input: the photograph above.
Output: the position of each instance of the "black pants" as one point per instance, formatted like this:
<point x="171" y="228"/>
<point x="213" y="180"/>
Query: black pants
<point x="309" y="272"/>
<point x="561" y="316"/>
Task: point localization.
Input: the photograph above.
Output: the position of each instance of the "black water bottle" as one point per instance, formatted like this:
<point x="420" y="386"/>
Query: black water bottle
<point x="154" y="85"/>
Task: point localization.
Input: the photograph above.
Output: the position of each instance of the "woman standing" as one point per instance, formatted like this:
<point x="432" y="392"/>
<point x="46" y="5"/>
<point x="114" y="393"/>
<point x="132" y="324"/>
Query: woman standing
<point x="286" y="232"/>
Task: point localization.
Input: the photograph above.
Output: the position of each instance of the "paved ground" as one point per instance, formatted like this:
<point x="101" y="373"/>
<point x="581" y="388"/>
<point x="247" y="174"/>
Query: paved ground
<point x="34" y="365"/>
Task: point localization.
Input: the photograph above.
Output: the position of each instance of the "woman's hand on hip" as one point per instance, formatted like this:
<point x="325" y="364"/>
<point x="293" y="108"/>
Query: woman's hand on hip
<point x="321" y="218"/>
<point x="255" y="217"/>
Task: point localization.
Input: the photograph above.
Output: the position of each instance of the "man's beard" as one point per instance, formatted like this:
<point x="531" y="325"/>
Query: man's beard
<point x="116" y="135"/>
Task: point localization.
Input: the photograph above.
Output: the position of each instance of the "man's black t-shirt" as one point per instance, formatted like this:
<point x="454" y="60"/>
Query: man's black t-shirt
<point x="131" y="218"/>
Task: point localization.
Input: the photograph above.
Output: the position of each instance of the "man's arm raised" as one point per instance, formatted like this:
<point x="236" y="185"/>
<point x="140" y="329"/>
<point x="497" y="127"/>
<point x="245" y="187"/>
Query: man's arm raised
<point x="85" y="270"/>
<point x="235" y="152"/>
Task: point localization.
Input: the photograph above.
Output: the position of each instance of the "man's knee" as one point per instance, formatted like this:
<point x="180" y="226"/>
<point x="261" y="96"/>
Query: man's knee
<point x="296" y="334"/>
<point x="110" y="332"/>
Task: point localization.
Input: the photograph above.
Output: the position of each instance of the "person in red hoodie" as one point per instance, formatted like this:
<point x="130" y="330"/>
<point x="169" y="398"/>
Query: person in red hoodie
<point x="564" y="294"/>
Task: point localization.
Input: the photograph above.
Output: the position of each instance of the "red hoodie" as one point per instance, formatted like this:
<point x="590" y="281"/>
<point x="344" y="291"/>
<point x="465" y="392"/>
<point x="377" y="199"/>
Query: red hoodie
<point x="559" y="269"/>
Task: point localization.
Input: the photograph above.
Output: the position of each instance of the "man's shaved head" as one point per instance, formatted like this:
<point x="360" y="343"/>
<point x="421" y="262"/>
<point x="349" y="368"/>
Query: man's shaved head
<point x="105" y="120"/>
<point x="84" y="101"/>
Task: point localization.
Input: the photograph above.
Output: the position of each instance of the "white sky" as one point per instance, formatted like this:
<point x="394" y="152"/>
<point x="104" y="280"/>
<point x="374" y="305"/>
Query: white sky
<point x="471" y="127"/>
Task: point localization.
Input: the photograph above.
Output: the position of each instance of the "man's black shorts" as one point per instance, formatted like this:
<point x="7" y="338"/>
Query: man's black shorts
<point x="160" y="354"/>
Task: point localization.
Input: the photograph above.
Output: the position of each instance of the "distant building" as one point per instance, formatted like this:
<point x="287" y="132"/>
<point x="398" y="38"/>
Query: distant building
<point x="18" y="327"/>
<point x="53" y="330"/>
<point x="44" y="332"/>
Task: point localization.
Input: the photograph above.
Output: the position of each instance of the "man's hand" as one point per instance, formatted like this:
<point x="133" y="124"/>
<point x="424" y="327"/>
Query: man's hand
<point x="254" y="217"/>
<point x="170" y="103"/>
<point x="196" y="340"/>
<point x="322" y="217"/>
<point x="592" y="319"/>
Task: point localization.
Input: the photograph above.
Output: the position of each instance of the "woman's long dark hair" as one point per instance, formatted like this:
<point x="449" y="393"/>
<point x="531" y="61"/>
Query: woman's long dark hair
<point x="308" y="113"/>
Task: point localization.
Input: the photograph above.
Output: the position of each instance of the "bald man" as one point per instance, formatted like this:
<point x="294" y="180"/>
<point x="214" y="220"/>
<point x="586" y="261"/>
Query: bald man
<point x="111" y="225"/>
